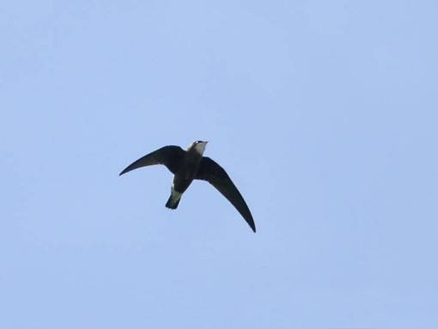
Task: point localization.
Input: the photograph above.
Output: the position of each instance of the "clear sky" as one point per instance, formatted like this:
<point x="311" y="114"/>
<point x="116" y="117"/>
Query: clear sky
<point x="324" y="113"/>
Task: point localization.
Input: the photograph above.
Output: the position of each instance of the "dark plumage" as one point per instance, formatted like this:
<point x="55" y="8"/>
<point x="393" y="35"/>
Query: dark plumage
<point x="189" y="165"/>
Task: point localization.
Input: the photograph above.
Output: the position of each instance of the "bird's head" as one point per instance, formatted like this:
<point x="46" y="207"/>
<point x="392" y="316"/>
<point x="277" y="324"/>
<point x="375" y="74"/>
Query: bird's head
<point x="198" y="146"/>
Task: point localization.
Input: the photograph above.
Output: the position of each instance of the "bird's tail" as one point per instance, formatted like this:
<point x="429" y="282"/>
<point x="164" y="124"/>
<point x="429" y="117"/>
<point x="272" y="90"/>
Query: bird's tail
<point x="174" y="200"/>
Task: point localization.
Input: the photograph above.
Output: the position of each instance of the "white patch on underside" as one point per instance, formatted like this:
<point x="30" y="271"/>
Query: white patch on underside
<point x="175" y="195"/>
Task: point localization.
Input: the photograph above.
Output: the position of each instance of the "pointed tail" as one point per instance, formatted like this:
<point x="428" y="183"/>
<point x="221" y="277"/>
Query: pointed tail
<point x="174" y="200"/>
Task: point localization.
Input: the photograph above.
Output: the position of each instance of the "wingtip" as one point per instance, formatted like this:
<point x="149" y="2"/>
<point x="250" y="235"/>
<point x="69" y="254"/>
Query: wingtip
<point x="124" y="171"/>
<point x="250" y="222"/>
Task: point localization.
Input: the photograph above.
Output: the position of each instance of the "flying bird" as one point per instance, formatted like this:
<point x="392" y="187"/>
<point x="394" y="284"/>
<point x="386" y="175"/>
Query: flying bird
<point x="189" y="165"/>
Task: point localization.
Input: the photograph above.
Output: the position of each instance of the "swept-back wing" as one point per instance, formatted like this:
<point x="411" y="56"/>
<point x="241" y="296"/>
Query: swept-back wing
<point x="170" y="156"/>
<point x="213" y="173"/>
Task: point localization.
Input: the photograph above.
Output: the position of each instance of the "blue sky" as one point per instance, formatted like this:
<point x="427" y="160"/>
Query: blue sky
<point x="324" y="113"/>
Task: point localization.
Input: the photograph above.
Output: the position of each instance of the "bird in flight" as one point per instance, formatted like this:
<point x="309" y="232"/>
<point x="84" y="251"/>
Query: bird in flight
<point x="189" y="165"/>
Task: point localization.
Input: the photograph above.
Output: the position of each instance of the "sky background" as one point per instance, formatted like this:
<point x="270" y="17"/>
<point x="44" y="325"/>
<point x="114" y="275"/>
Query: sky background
<point x="324" y="113"/>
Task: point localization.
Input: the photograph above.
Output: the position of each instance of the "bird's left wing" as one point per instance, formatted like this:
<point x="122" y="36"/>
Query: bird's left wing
<point x="213" y="173"/>
<point x="170" y="156"/>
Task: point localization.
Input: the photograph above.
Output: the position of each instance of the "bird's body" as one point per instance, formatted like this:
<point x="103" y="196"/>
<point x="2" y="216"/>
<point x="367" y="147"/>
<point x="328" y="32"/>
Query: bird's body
<point x="185" y="175"/>
<point x="189" y="165"/>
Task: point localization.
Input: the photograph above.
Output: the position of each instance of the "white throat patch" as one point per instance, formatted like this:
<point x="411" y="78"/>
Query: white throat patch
<point x="200" y="148"/>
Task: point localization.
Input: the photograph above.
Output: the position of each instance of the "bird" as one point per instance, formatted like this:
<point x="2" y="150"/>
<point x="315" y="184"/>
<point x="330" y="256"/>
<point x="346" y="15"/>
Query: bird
<point x="191" y="164"/>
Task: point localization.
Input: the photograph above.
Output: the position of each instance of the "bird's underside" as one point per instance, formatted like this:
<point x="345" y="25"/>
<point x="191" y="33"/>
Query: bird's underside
<point x="177" y="160"/>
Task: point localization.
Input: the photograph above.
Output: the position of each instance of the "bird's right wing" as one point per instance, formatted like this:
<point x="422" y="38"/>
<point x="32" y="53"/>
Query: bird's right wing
<point x="213" y="173"/>
<point x="171" y="156"/>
